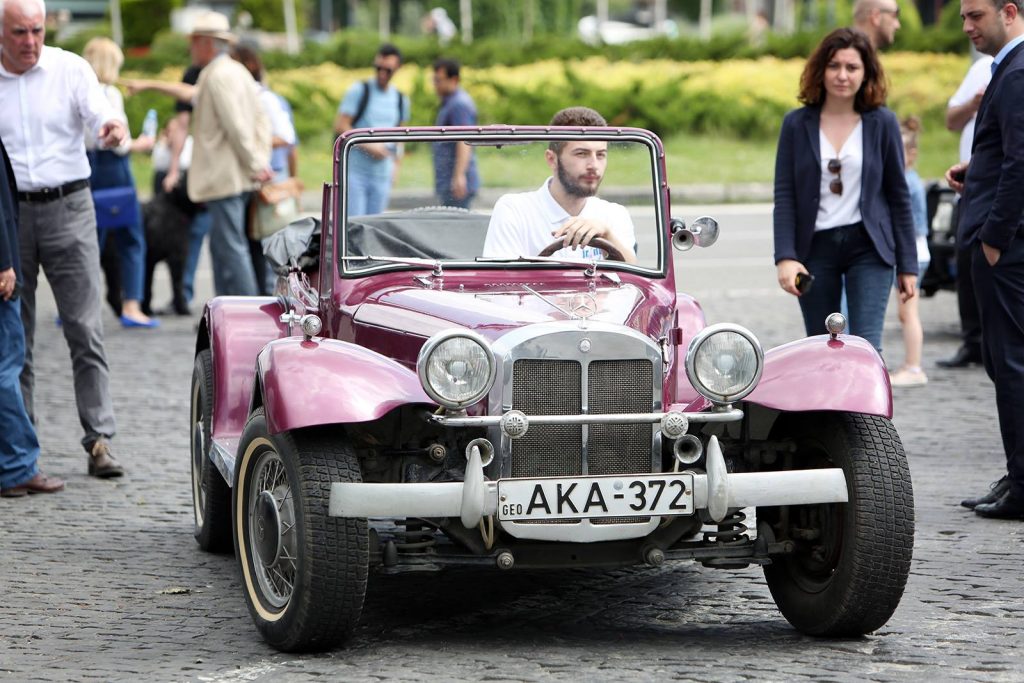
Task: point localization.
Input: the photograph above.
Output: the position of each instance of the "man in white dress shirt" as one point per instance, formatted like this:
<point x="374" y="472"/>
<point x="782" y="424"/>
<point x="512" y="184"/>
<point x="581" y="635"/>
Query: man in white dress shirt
<point x="49" y="97"/>
<point x="566" y="206"/>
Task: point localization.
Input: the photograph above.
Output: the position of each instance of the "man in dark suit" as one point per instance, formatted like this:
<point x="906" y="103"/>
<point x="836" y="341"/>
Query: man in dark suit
<point x="991" y="226"/>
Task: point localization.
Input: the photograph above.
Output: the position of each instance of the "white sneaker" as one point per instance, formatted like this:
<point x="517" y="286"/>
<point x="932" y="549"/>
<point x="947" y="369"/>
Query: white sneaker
<point x="905" y="377"/>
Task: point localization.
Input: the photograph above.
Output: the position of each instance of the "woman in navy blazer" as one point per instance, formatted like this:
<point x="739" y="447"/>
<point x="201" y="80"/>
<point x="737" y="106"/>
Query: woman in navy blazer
<point x="842" y="208"/>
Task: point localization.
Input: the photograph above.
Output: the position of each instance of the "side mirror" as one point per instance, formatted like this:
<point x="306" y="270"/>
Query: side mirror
<point x="703" y="232"/>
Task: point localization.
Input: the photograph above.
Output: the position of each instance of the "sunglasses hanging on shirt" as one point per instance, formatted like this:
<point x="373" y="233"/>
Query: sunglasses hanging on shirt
<point x="836" y="186"/>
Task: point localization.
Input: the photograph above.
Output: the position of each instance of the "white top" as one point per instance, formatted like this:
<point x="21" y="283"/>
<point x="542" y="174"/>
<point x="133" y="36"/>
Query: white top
<point x="977" y="78"/>
<point x="522" y="224"/>
<point x="45" y="112"/>
<point x="116" y="100"/>
<point x="161" y="155"/>
<point x="280" y="125"/>
<point x="835" y="210"/>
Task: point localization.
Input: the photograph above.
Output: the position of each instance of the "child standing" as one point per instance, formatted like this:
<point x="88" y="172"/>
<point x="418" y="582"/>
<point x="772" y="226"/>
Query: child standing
<point x="911" y="374"/>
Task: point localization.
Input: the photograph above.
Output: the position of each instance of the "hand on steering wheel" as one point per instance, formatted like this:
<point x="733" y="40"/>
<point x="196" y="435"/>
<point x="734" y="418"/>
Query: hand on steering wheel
<point x="611" y="251"/>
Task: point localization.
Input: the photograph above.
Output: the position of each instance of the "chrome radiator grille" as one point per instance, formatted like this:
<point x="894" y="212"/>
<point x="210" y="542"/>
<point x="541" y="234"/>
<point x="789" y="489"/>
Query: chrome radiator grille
<point x="555" y="387"/>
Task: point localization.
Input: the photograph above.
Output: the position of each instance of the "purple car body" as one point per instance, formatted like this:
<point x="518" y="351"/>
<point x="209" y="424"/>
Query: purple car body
<point x="340" y="363"/>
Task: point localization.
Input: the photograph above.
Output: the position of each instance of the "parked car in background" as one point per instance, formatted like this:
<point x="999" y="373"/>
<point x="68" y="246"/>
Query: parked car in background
<point x="410" y="401"/>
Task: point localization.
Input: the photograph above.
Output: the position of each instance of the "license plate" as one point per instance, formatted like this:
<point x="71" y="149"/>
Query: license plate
<point x="652" y="495"/>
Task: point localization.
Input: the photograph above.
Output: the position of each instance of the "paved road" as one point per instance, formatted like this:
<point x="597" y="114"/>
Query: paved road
<point x="104" y="581"/>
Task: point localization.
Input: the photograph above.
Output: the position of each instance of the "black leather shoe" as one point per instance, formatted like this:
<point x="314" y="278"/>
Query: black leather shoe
<point x="963" y="357"/>
<point x="995" y="491"/>
<point x="1007" y="507"/>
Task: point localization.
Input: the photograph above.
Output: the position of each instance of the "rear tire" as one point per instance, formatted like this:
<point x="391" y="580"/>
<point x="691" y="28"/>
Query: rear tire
<point x="851" y="561"/>
<point x="304" y="572"/>
<point x="211" y="495"/>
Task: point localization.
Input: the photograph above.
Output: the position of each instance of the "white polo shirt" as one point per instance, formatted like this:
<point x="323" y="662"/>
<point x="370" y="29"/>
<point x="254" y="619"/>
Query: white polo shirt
<point x="977" y="78"/>
<point x="522" y="224"/>
<point x="45" y="113"/>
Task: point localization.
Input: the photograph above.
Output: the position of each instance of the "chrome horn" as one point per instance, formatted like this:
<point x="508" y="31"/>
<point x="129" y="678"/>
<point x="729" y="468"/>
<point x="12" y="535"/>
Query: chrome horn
<point x="703" y="232"/>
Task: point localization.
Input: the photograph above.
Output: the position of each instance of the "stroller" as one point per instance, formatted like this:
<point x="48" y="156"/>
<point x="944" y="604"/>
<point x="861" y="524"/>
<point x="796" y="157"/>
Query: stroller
<point x="943" y="217"/>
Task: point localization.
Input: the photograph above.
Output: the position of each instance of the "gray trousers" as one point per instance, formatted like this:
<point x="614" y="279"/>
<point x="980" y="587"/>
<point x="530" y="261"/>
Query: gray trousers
<point x="60" y="237"/>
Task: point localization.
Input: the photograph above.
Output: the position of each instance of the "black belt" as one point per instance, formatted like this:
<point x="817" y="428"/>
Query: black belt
<point x="49" y="194"/>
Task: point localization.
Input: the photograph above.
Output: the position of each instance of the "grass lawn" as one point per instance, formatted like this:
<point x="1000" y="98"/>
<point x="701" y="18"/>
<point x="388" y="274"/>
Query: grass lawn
<point x="690" y="159"/>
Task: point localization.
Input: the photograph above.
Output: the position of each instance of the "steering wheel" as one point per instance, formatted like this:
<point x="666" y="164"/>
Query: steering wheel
<point x="610" y="250"/>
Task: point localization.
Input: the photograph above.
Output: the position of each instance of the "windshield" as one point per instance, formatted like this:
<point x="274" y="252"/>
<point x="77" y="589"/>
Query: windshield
<point x="516" y="200"/>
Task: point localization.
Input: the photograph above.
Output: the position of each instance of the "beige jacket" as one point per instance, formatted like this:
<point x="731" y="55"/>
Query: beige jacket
<point x="231" y="133"/>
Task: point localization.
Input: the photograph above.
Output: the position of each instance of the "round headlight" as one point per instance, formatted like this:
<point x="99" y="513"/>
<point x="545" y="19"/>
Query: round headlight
<point x="456" y="368"/>
<point x="724" y="362"/>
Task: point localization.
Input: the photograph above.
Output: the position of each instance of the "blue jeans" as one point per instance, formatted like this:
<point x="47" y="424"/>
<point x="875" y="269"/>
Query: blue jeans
<point x="448" y="199"/>
<point x="229" y="247"/>
<point x="196" y="234"/>
<point x="847" y="252"/>
<point x="19" y="447"/>
<point x="367" y="195"/>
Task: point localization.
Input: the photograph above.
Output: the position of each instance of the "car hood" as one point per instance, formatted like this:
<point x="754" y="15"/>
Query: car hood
<point x="493" y="309"/>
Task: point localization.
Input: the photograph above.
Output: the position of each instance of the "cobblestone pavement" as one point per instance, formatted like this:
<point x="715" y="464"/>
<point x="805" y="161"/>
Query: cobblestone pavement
<point x="104" y="581"/>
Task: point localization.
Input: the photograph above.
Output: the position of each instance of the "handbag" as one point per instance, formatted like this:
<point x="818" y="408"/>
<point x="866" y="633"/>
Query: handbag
<point x="116" y="207"/>
<point x="276" y="205"/>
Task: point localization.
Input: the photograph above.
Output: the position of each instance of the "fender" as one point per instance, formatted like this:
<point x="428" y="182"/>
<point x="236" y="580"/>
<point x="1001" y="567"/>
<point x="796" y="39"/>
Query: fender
<point x="326" y="381"/>
<point x="239" y="328"/>
<point x="819" y="373"/>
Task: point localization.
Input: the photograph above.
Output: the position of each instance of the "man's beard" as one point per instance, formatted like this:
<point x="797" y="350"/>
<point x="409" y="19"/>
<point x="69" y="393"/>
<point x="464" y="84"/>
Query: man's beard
<point x="571" y="187"/>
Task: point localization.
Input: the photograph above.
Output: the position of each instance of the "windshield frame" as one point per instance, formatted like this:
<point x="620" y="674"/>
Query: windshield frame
<point x="498" y="136"/>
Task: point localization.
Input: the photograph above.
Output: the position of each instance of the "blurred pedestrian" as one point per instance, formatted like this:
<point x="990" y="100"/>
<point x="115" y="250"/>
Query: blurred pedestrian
<point x="911" y="374"/>
<point x="436" y="22"/>
<point x="282" y="142"/>
<point x="19" y="447"/>
<point x="50" y="98"/>
<point x="841" y="202"/>
<point x="456" y="179"/>
<point x="961" y="114"/>
<point x="991" y="226"/>
<point x="111" y="169"/>
<point x="373" y="104"/>
<point x="878" y="20"/>
<point x="230" y="151"/>
<point x="179" y="154"/>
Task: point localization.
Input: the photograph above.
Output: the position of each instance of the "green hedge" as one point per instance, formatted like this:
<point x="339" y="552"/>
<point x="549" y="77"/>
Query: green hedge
<point x="355" y="49"/>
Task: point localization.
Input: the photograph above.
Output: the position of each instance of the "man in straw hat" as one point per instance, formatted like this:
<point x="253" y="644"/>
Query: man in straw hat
<point x="231" y="150"/>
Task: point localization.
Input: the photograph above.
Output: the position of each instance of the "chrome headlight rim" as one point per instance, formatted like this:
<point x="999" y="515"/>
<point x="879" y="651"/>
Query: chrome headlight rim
<point x="431" y="345"/>
<point x="691" y="355"/>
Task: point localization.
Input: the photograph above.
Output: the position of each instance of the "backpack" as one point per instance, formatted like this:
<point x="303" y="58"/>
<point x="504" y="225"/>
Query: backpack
<point x="364" y="100"/>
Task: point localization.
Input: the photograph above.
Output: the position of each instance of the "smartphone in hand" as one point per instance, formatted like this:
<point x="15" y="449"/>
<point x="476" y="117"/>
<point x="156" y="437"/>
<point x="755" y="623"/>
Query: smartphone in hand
<point x="803" y="282"/>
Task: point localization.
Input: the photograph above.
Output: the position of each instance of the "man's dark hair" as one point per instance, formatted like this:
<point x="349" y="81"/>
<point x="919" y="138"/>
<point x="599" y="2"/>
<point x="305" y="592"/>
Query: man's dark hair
<point x="450" y="67"/>
<point x="872" y="91"/>
<point x="574" y="116"/>
<point x="578" y="116"/>
<point x="387" y="49"/>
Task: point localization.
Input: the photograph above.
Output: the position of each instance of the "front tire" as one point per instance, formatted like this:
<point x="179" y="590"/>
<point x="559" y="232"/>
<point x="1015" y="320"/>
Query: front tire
<point x="851" y="560"/>
<point x="211" y="495"/>
<point x="304" y="572"/>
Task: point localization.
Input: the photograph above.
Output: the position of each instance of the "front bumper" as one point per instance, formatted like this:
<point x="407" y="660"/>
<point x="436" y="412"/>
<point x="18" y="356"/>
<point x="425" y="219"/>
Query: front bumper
<point x="715" y="492"/>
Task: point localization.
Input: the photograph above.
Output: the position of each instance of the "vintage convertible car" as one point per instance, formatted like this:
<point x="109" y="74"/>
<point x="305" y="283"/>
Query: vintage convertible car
<point x="418" y="396"/>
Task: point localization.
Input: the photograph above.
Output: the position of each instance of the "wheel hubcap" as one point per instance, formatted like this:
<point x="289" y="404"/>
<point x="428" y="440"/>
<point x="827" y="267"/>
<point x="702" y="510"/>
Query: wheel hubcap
<point x="272" y="536"/>
<point x="267" y="529"/>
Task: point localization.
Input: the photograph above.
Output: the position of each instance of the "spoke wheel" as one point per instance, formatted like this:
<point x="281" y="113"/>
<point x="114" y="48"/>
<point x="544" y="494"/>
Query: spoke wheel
<point x="851" y="561"/>
<point x="271" y="517"/>
<point x="211" y="495"/>
<point x="303" y="571"/>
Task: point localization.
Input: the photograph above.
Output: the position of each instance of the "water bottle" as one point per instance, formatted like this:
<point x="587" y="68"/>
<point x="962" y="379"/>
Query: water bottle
<point x="149" y="124"/>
